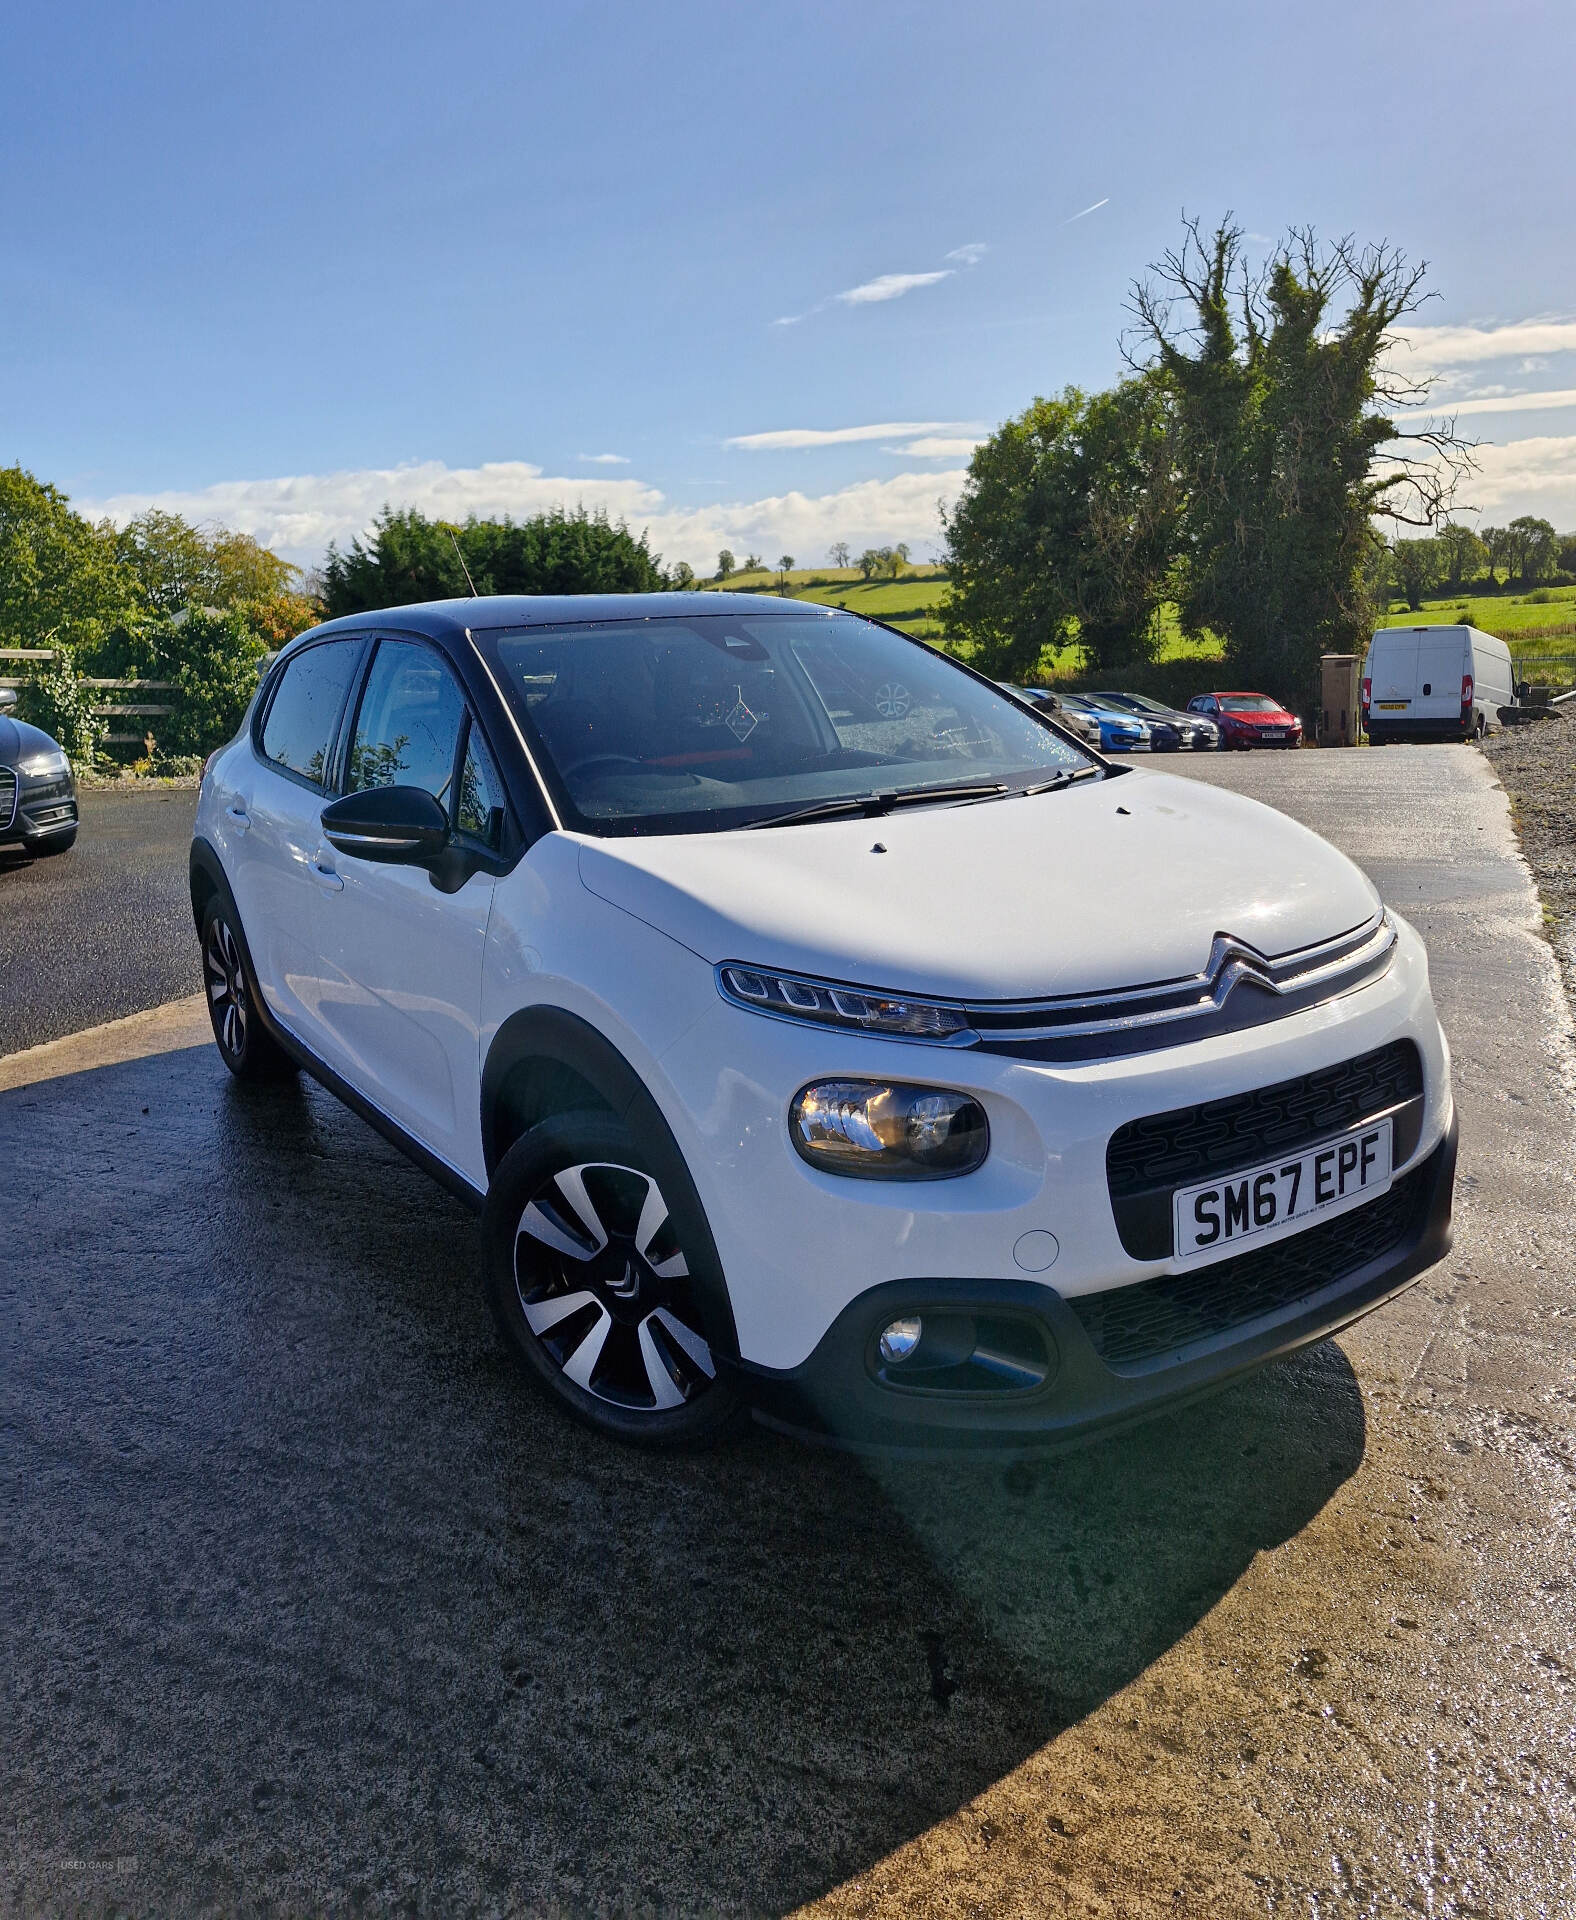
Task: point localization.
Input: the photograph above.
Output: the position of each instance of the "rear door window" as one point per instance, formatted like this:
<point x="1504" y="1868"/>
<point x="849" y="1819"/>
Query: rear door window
<point x="303" y="715"/>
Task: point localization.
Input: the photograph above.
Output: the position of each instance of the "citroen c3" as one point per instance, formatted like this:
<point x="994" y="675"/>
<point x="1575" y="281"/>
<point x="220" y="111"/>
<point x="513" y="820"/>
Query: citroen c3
<point x="759" y="975"/>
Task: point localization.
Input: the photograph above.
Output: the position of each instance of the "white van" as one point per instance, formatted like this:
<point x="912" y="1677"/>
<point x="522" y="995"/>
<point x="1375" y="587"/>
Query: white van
<point x="1435" y="683"/>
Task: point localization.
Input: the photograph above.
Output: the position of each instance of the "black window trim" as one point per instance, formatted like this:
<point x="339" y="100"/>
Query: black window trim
<point x="328" y="787"/>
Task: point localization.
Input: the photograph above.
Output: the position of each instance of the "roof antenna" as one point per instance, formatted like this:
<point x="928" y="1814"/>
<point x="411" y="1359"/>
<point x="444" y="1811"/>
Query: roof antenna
<point x="463" y="568"/>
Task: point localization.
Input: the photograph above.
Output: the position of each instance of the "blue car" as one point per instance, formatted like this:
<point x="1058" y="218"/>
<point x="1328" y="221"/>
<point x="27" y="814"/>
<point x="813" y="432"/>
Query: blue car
<point x="1120" y="731"/>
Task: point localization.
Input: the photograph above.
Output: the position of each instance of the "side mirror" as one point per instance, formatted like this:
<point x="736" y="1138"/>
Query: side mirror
<point x="398" y="826"/>
<point x="7" y="699"/>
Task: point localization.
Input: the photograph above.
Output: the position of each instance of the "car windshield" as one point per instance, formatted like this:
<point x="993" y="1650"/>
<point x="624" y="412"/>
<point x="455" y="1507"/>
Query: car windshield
<point x="1248" y="703"/>
<point x="693" y="723"/>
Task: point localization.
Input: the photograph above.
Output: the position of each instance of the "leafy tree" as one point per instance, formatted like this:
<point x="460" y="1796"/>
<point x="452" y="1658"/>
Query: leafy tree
<point x="214" y="658"/>
<point x="1463" y="553"/>
<point x="683" y="576"/>
<point x="870" y="562"/>
<point x="837" y="553"/>
<point x="1567" y="553"/>
<point x="1534" y="550"/>
<point x="1284" y="440"/>
<point x="897" y="559"/>
<point x="409" y="557"/>
<point x="1065" y="531"/>
<point x="177" y="565"/>
<point x="61" y="582"/>
<point x="1419" y="566"/>
<point x="280" y="617"/>
<point x="725" y="564"/>
<point x="753" y="563"/>
<point x="1498" y="544"/>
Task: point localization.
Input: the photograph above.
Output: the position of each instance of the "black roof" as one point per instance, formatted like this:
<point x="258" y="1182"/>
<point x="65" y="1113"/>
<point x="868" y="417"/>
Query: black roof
<point x="452" y="617"/>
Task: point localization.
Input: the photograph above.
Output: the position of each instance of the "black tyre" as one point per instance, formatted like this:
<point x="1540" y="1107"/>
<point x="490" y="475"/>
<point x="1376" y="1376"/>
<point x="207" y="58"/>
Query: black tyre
<point x="591" y="1288"/>
<point x="245" y="1047"/>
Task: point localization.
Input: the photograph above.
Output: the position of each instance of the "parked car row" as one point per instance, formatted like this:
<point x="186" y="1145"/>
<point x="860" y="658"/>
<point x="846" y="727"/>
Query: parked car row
<point x="1134" y="723"/>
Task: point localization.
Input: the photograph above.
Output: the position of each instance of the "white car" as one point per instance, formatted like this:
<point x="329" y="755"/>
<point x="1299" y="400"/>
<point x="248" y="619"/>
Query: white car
<point x="688" y="938"/>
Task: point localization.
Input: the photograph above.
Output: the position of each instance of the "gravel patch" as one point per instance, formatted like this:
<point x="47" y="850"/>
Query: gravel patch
<point x="1537" y="768"/>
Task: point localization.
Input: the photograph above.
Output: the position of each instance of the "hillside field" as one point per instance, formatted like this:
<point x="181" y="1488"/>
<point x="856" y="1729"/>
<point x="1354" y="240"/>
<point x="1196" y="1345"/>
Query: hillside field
<point x="1538" y="625"/>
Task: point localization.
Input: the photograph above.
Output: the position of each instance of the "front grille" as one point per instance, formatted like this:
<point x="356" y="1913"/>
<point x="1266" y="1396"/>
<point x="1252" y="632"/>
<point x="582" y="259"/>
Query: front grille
<point x="7" y="796"/>
<point x="1148" y="1159"/>
<point x="1188" y="1143"/>
<point x="1130" y="1326"/>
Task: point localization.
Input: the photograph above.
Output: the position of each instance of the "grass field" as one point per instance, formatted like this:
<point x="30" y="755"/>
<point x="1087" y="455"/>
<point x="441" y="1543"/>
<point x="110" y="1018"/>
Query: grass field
<point x="1540" y="625"/>
<point x="912" y="603"/>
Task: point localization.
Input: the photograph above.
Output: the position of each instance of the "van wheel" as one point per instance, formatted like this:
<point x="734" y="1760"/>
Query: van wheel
<point x="591" y="1289"/>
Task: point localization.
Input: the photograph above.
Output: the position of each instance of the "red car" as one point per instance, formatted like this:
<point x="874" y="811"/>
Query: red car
<point x="1249" y="719"/>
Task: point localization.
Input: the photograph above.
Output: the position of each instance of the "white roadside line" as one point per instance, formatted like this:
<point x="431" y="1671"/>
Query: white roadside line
<point x="176" y="1025"/>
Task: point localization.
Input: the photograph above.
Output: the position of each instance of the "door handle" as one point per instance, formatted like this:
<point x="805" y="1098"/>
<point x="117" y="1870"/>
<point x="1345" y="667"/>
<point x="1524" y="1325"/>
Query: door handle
<point x="326" y="878"/>
<point x="240" y="816"/>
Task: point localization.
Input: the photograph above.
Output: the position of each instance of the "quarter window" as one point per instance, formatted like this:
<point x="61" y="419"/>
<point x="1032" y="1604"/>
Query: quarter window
<point x="298" y="732"/>
<point x="479" y="811"/>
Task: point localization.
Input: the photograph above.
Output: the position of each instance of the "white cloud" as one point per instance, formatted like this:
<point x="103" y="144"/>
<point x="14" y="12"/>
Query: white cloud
<point x="298" y="515"/>
<point x="1536" y="475"/>
<point x="1503" y="402"/>
<point x="604" y="459"/>
<point x="933" y="446"/>
<point x="1456" y="346"/>
<point x="890" y="286"/>
<point x="784" y="437"/>
<point x="1086" y="211"/>
<point x="969" y="256"/>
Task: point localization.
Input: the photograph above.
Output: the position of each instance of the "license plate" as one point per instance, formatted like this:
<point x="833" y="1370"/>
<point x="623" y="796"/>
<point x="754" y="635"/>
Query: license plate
<point x="1394" y="706"/>
<point x="1270" y="1200"/>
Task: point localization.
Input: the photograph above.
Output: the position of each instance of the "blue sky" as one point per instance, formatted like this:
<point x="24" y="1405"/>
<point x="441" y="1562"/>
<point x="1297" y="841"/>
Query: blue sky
<point x="275" y="265"/>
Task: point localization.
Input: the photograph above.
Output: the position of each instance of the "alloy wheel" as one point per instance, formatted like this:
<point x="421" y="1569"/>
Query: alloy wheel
<point x="227" y="1005"/>
<point x="603" y="1285"/>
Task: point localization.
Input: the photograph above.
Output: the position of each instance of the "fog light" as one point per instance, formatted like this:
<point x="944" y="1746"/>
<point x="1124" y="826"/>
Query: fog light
<point x="900" y="1339"/>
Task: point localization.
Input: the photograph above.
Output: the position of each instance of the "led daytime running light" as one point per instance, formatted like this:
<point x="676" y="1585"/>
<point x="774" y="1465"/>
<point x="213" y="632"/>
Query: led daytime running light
<point x="792" y="997"/>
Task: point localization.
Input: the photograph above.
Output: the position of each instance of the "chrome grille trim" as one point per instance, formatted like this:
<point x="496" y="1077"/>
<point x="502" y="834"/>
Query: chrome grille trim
<point x="8" y="792"/>
<point x="1333" y="965"/>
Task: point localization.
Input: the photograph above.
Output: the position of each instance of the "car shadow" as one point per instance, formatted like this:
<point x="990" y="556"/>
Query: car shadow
<point x="312" y="1601"/>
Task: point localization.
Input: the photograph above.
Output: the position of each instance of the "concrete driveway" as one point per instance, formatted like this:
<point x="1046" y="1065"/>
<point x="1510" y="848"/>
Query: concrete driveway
<point x="309" y="1604"/>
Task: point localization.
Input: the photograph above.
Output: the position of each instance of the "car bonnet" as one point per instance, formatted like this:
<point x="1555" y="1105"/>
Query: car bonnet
<point x="1112" y="883"/>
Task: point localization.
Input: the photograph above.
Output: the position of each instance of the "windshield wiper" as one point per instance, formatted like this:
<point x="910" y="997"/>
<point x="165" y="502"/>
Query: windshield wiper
<point x="872" y="805"/>
<point x="1054" y="785"/>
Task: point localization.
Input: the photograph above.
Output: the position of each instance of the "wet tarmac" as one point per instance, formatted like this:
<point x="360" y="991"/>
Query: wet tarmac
<point x="105" y="929"/>
<point x="310" y="1605"/>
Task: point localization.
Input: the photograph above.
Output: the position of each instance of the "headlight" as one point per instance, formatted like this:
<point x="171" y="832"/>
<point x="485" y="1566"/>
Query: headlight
<point x="39" y="765"/>
<point x="794" y="998"/>
<point x="875" y="1131"/>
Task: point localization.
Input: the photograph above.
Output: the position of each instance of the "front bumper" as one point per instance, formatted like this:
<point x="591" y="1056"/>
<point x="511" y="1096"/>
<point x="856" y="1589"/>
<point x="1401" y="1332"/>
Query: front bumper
<point x="42" y="810"/>
<point x="838" y="1395"/>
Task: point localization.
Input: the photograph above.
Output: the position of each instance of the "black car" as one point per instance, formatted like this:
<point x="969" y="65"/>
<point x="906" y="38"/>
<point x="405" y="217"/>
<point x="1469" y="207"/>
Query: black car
<point x="38" y="796"/>
<point x="1173" y="729"/>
